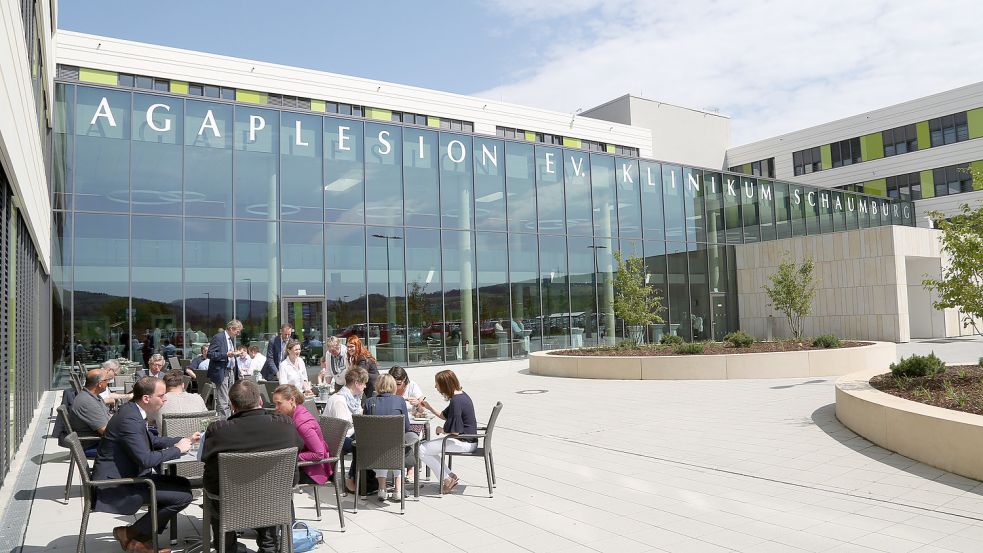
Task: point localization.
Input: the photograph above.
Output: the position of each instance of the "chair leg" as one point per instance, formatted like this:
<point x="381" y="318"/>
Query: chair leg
<point x="337" y="497"/>
<point x="358" y="483"/>
<point x="317" y="502"/>
<point x="402" y="492"/>
<point x="71" y="471"/>
<point x="80" y="548"/>
<point x="488" y="474"/>
<point x="416" y="473"/>
<point x="491" y="461"/>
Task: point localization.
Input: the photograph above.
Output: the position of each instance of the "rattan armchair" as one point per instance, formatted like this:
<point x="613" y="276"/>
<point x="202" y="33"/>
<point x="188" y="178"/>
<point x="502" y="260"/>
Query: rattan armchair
<point x="186" y="424"/>
<point x="334" y="432"/>
<point x="63" y="414"/>
<point x="255" y="491"/>
<point x="483" y="450"/>
<point x="381" y="445"/>
<point x="89" y="486"/>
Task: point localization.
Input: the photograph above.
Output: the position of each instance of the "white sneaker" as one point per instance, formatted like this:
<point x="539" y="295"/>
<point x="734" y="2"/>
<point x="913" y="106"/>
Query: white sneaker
<point x="381" y="496"/>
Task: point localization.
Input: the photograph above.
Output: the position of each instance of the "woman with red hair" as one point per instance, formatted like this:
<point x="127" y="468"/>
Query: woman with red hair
<point x="359" y="356"/>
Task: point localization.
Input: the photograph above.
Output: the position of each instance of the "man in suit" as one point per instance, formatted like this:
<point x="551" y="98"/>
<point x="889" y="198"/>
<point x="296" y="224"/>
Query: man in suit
<point x="222" y="365"/>
<point x="156" y="367"/>
<point x="276" y="351"/>
<point x="249" y="429"/>
<point x="129" y="450"/>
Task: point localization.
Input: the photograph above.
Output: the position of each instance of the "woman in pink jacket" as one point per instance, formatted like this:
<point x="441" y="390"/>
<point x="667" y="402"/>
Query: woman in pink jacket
<point x="290" y="401"/>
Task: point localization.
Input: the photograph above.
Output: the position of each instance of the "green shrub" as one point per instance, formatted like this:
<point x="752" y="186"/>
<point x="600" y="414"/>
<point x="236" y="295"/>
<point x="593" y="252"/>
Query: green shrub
<point x="691" y="348"/>
<point x="981" y="362"/>
<point x="739" y="339"/>
<point x="826" y="341"/>
<point x="918" y="365"/>
<point x="671" y="340"/>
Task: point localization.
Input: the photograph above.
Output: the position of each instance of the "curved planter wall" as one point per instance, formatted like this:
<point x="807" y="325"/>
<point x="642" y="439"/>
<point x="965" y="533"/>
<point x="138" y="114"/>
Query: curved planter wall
<point x="946" y="439"/>
<point x="782" y="364"/>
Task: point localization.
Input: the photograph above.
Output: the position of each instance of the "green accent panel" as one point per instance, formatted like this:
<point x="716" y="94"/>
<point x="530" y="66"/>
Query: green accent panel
<point x="977" y="168"/>
<point x="179" y="87"/>
<point x="251" y="96"/>
<point x="98" y="76"/>
<point x="876" y="187"/>
<point x="572" y="142"/>
<point x="530" y="136"/>
<point x="746" y="168"/>
<point x="975" y="119"/>
<point x="433" y="121"/>
<point x="871" y="146"/>
<point x="610" y="148"/>
<point x="318" y="105"/>
<point x="826" y="154"/>
<point x="378" y="114"/>
<point x="924" y="138"/>
<point x="927" y="178"/>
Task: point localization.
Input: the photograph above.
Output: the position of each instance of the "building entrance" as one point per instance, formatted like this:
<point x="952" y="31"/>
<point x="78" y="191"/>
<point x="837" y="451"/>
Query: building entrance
<point x="307" y="315"/>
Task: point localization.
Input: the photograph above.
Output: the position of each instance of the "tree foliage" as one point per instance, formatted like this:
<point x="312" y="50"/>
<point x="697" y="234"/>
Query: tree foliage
<point x="791" y="291"/>
<point x="635" y="302"/>
<point x="961" y="282"/>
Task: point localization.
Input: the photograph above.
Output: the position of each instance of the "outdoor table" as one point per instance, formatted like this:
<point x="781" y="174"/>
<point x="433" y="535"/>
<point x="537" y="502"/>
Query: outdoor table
<point x="424" y="436"/>
<point x="171" y="467"/>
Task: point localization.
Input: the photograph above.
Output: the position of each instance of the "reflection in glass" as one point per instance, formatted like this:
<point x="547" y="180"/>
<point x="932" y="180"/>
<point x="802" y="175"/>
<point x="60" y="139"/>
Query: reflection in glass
<point x="694" y="191"/>
<point x="61" y="297"/>
<point x="155" y="283"/>
<point x="101" y="286"/>
<point x="672" y="191"/>
<point x="783" y="212"/>
<point x="489" y="184"/>
<point x="850" y="210"/>
<point x="527" y="332"/>
<point x="603" y="195"/>
<point x="679" y="305"/>
<point x="425" y="324"/>
<point x="584" y="329"/>
<point x="495" y="328"/>
<point x="629" y="201"/>
<point x="655" y="275"/>
<point x="256" y="267"/>
<point x="811" y="196"/>
<point x="300" y="167"/>
<point x="456" y="194"/>
<point x="576" y="180"/>
<point x="732" y="209"/>
<point x="766" y="209"/>
<point x="460" y="301"/>
<point x="420" y="178"/>
<point x="345" y="274"/>
<point x="549" y="190"/>
<point x="102" y="150"/>
<point x="302" y="261"/>
<point x="63" y="144"/>
<point x="839" y="210"/>
<point x="715" y="208"/>
<point x="556" y="299"/>
<point x="699" y="313"/>
<point x="207" y="275"/>
<point x="383" y="175"/>
<point x="208" y="159"/>
<point x="257" y="141"/>
<point x="344" y="172"/>
<point x="749" y="208"/>
<point x="155" y="168"/>
<point x="797" y="204"/>
<point x="520" y="183"/>
<point x="386" y="290"/>
<point x="653" y="217"/>
<point x="604" y="277"/>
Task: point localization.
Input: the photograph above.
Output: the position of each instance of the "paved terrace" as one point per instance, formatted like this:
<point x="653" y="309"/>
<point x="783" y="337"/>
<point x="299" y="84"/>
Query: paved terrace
<point x="622" y="466"/>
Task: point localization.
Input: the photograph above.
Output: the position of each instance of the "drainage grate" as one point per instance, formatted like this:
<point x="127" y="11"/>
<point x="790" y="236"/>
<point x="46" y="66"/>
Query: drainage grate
<point x="532" y="391"/>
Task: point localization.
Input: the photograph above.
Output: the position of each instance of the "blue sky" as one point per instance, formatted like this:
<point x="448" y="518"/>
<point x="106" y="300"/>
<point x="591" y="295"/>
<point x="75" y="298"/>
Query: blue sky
<point x="773" y="66"/>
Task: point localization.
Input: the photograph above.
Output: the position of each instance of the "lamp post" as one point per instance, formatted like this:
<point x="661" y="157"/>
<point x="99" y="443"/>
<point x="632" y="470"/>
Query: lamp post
<point x="390" y="306"/>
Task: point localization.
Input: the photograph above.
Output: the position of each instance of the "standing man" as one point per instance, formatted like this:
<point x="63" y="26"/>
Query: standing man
<point x="249" y="429"/>
<point x="221" y="365"/>
<point x="276" y="351"/>
<point x="129" y="450"/>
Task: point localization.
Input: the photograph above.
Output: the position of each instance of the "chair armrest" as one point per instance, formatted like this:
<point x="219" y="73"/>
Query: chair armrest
<point x="118" y="481"/>
<point x="319" y="462"/>
<point x="89" y="438"/>
<point x="445" y="438"/>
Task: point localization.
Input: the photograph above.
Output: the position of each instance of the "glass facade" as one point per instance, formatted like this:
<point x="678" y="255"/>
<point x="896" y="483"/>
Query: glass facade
<point x="174" y="214"/>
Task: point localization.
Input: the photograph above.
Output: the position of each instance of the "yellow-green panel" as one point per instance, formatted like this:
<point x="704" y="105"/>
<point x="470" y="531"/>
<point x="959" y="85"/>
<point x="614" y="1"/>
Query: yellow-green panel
<point x="826" y="154"/>
<point x="876" y="187"/>
<point x="975" y="119"/>
<point x="433" y="121"/>
<point x="98" y="76"/>
<point x="746" y="168"/>
<point x="924" y="138"/>
<point x="977" y="168"/>
<point x="179" y="87"/>
<point x="927" y="180"/>
<point x="378" y="114"/>
<point x="572" y="142"/>
<point x="251" y="96"/>
<point x="530" y="136"/>
<point x="610" y="148"/>
<point x="318" y="105"/>
<point x="871" y="146"/>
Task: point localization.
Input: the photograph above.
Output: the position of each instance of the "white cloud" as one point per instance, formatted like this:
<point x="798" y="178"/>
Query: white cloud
<point x="773" y="66"/>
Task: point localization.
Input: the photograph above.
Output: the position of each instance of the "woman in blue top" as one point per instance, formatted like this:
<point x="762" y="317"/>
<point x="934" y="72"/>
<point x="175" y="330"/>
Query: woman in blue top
<point x="458" y="418"/>
<point x="385" y="403"/>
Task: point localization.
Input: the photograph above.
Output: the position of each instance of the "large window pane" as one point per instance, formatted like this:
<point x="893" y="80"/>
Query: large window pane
<point x="383" y="174"/>
<point x="63" y="147"/>
<point x="102" y="150"/>
<point x="783" y="212"/>
<point x="343" y="171"/>
<point x="604" y="278"/>
<point x="156" y="152"/>
<point x="456" y="194"/>
<point x="798" y="204"/>
<point x="386" y="289"/>
<point x="489" y="184"/>
<point x="811" y="197"/>
<point x="556" y="299"/>
<point x="655" y="276"/>
<point x="420" y="178"/>
<point x="526" y="310"/>
<point x="495" y="326"/>
<point x="583" y="303"/>
<point x="839" y="220"/>
<point x="520" y="183"/>
<point x="302" y="259"/>
<point x="101" y="285"/>
<point x="629" y="201"/>
<point x="766" y="209"/>
<point x="300" y="167"/>
<point x="604" y="196"/>
<point x="208" y="159"/>
<point x="549" y="190"/>
<point x="576" y="179"/>
<point x="715" y="207"/>
<point x="423" y="296"/>
<point x="678" y="291"/>
<point x="345" y="275"/>
<point x="257" y="297"/>
<point x="156" y="282"/>
<point x="460" y="300"/>
<point x="61" y="298"/>
<point x="672" y="189"/>
<point x="207" y="275"/>
<point x="699" y="312"/>
<point x="653" y="217"/>
<point x="732" y="209"/>
<point x="749" y="207"/>
<point x="257" y="141"/>
<point x="694" y="194"/>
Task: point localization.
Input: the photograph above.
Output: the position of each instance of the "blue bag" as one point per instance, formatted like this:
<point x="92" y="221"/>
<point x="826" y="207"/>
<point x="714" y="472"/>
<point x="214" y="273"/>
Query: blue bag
<point x="305" y="538"/>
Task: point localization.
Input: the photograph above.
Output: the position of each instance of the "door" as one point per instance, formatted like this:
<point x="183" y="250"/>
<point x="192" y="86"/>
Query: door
<point x="718" y="304"/>
<point x="307" y="315"/>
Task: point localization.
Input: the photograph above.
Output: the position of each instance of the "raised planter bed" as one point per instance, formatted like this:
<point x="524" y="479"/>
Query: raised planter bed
<point x="783" y="364"/>
<point x="943" y="438"/>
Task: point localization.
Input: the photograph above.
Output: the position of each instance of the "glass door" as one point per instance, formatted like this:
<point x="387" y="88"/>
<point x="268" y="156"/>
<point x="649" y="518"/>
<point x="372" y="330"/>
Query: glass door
<point x="307" y="315"/>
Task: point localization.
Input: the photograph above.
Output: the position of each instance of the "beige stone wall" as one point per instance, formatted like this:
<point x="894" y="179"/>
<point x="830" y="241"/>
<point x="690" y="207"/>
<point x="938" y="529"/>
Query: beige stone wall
<point x="862" y="291"/>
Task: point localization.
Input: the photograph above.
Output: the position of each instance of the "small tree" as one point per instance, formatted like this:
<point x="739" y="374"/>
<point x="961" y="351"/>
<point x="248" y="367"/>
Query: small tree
<point x="791" y="292"/>
<point x="961" y="283"/>
<point x="635" y="302"/>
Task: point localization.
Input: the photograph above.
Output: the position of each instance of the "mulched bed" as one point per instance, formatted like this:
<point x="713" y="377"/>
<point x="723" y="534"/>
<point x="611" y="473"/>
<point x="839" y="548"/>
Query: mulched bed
<point x="959" y="388"/>
<point x="711" y="348"/>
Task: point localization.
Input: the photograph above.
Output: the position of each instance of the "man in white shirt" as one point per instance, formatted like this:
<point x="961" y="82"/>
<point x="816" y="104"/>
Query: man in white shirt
<point x="256" y="360"/>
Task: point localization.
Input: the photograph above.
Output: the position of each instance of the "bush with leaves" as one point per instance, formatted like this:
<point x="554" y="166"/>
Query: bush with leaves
<point x="671" y="340"/>
<point x="918" y="365"/>
<point x="692" y="348"/>
<point x="961" y="283"/>
<point x="635" y="301"/>
<point x="827" y="341"/>
<point x="791" y="291"/>
<point x="739" y="339"/>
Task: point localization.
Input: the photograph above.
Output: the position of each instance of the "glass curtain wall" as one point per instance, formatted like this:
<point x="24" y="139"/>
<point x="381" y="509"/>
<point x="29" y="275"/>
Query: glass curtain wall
<point x="173" y="215"/>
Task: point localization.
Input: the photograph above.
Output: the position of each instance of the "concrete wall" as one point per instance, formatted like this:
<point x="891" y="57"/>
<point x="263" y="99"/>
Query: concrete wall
<point x="862" y="290"/>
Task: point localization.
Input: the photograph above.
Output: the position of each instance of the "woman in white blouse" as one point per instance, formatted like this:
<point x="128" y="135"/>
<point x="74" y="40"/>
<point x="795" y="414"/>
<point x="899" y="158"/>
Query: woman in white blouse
<point x="292" y="369"/>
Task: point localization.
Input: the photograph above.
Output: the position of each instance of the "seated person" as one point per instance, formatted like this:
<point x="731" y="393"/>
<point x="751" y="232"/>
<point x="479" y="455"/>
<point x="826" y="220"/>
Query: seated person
<point x="196" y="362"/>
<point x="385" y="403"/>
<point x="179" y="400"/>
<point x="128" y="450"/>
<point x="334" y="364"/>
<point x="405" y="388"/>
<point x="249" y="429"/>
<point x="459" y="418"/>
<point x="111" y="368"/>
<point x="343" y="405"/>
<point x="88" y="413"/>
<point x="156" y="370"/>
<point x="256" y="361"/>
<point x="292" y="369"/>
<point x="288" y="401"/>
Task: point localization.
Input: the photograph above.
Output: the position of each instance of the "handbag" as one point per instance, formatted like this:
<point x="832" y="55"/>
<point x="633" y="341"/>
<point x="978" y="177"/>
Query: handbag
<point x="305" y="538"/>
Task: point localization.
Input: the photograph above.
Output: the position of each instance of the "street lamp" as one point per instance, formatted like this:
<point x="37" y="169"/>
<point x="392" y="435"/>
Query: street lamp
<point x="390" y="305"/>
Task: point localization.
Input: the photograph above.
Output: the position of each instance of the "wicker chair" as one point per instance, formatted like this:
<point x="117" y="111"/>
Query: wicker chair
<point x="334" y="432"/>
<point x="267" y="399"/>
<point x="256" y="490"/>
<point x="207" y="391"/>
<point x="89" y="486"/>
<point x="271" y="386"/>
<point x="63" y="414"/>
<point x="311" y="406"/>
<point x="186" y="424"/>
<point x="381" y="443"/>
<point x="484" y="450"/>
<point x="175" y="364"/>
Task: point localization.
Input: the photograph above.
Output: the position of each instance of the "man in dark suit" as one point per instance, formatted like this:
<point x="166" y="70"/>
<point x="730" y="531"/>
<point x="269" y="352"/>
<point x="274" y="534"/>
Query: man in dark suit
<point x="249" y="429"/>
<point x="276" y="351"/>
<point x="222" y="365"/>
<point x="129" y="450"/>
